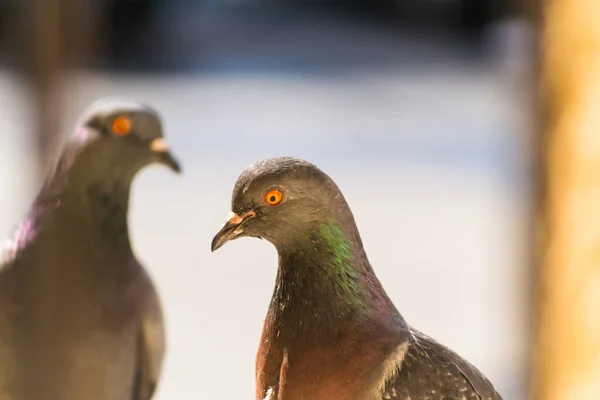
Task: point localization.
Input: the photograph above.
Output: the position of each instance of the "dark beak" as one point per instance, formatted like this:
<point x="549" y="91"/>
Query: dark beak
<point x="167" y="159"/>
<point x="161" y="151"/>
<point x="232" y="229"/>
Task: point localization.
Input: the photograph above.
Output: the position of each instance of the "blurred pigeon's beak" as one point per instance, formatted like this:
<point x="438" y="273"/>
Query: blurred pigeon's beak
<point x="160" y="148"/>
<point x="231" y="229"/>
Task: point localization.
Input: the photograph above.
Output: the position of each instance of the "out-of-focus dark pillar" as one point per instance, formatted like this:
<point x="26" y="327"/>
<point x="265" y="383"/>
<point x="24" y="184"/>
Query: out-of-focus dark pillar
<point x="567" y="338"/>
<point x="42" y="64"/>
<point x="53" y="34"/>
<point x="41" y="61"/>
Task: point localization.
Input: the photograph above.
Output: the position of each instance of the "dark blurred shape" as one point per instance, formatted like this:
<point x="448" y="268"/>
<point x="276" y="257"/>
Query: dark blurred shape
<point x="130" y="27"/>
<point x="158" y="34"/>
<point x="9" y="14"/>
<point x="476" y="14"/>
<point x="364" y="7"/>
<point x="467" y="15"/>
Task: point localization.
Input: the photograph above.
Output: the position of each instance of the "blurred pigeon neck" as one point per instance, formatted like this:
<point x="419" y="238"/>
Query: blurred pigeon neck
<point x="90" y="206"/>
<point x="326" y="283"/>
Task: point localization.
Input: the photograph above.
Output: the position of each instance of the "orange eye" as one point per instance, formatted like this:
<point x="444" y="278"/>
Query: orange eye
<point x="121" y="126"/>
<point x="273" y="197"/>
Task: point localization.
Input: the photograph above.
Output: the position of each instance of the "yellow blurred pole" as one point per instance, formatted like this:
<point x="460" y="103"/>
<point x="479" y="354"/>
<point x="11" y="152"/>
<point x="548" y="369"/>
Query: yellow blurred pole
<point x="567" y="348"/>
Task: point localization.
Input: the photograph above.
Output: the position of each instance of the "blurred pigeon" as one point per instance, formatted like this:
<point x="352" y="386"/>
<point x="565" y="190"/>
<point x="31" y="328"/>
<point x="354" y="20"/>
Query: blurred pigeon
<point x="79" y="316"/>
<point x="331" y="331"/>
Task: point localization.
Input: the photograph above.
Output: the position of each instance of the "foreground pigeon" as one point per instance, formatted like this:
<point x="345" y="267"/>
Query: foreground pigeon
<point x="331" y="331"/>
<point x="79" y="316"/>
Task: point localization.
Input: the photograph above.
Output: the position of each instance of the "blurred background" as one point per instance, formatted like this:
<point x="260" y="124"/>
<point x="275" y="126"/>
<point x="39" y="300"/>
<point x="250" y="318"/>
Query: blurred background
<point x="419" y="109"/>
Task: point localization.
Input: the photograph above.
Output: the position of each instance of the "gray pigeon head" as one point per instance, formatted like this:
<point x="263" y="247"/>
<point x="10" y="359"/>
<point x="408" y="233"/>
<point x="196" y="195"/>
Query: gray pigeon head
<point x="115" y="138"/>
<point x="280" y="200"/>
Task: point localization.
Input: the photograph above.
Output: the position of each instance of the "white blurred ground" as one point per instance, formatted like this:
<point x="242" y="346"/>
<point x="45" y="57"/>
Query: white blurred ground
<point x="430" y="162"/>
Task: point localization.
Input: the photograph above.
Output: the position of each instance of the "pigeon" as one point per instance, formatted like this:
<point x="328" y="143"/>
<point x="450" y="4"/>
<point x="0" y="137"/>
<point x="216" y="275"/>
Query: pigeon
<point x="331" y="331"/>
<point x="97" y="333"/>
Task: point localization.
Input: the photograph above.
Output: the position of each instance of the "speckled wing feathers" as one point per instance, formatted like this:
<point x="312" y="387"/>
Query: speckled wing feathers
<point x="431" y="371"/>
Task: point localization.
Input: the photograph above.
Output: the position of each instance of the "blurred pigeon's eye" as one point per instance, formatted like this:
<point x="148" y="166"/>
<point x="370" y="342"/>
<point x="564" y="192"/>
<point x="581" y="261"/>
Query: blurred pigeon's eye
<point x="273" y="197"/>
<point x="121" y="126"/>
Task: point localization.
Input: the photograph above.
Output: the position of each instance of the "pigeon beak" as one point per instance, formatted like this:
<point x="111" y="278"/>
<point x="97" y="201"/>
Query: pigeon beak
<point x="231" y="229"/>
<point x="160" y="148"/>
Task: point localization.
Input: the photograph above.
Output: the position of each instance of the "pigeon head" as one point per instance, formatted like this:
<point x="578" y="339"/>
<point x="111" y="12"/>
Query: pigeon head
<point x="282" y="200"/>
<point x="115" y="138"/>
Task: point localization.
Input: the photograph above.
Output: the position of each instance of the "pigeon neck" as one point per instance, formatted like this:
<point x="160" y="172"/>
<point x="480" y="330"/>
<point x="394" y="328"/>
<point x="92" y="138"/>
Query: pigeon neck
<point x="89" y="205"/>
<point x="326" y="286"/>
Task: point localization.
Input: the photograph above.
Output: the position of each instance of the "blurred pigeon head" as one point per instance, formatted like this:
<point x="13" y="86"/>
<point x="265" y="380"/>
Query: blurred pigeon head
<point x="116" y="138"/>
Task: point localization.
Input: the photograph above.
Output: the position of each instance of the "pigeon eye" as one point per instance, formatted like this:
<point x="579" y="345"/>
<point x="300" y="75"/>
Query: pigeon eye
<point x="121" y="126"/>
<point x="273" y="197"/>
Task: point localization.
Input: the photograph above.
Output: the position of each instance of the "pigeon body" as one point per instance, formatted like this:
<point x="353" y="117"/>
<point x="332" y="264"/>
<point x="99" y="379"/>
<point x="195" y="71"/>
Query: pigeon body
<point x="79" y="316"/>
<point x="331" y="331"/>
